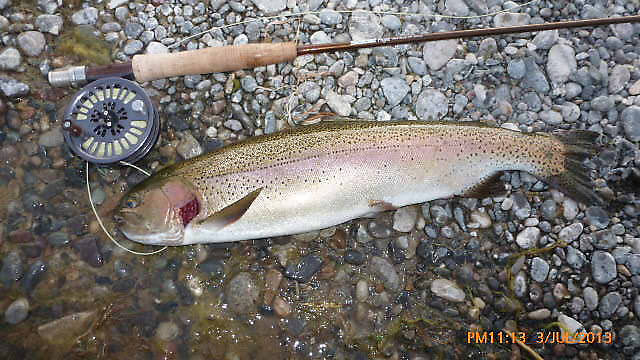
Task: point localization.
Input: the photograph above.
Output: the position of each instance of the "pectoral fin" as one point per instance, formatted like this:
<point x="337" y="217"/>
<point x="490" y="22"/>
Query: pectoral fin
<point x="231" y="213"/>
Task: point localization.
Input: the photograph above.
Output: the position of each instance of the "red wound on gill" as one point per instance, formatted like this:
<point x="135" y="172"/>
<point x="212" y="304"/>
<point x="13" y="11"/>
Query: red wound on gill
<point x="189" y="211"/>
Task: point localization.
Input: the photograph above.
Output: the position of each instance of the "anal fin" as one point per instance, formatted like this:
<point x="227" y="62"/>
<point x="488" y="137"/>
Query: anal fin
<point x="232" y="212"/>
<point x="489" y="187"/>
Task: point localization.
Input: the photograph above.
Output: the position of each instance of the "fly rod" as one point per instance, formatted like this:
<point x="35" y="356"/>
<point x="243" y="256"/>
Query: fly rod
<point x="150" y="67"/>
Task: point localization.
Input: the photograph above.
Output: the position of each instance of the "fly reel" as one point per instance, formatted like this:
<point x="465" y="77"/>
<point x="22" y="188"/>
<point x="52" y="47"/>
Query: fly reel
<point x="111" y="120"/>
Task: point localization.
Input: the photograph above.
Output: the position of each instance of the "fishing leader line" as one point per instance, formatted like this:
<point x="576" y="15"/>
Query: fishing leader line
<point x="303" y="13"/>
<point x="95" y="212"/>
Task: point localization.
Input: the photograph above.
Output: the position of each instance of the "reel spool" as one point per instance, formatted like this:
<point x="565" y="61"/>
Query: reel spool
<point x="111" y="120"/>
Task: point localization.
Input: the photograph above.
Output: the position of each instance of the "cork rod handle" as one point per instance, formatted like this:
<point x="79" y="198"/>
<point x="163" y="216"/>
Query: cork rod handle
<point x="214" y="59"/>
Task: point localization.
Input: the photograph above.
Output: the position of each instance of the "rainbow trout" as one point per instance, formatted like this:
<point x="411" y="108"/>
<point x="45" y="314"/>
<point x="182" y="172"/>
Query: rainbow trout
<point x="314" y="177"/>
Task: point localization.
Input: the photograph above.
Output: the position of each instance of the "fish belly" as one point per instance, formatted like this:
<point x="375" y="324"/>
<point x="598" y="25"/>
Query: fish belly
<point x="323" y="191"/>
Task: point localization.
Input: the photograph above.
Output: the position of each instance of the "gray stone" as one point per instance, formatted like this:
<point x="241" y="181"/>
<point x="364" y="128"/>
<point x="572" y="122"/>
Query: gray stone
<point x="249" y="84"/>
<point x="630" y="337"/>
<point x="330" y="17"/>
<point x="310" y="90"/>
<point x="365" y="25"/>
<point x="233" y="125"/>
<point x="511" y="19"/>
<point x="17" y="311"/>
<point x="133" y="47"/>
<point x="602" y="103"/>
<point x="516" y="68"/>
<point x="404" y="219"/>
<point x="10" y="59"/>
<point x="270" y="7"/>
<point x="391" y="22"/>
<point x="521" y="207"/>
<point x="4" y="3"/>
<point x="596" y="216"/>
<point x="631" y="122"/>
<point x="116" y="3"/>
<point x="339" y="103"/>
<point x="385" y="271"/>
<point x="551" y="117"/>
<point x="394" y="89"/>
<point x="520" y="284"/>
<point x="437" y="53"/>
<point x="488" y="47"/>
<point x="460" y="102"/>
<point x="188" y="147"/>
<point x="447" y="290"/>
<point x="570" y="112"/>
<point x="539" y="269"/>
<point x="609" y="304"/>
<point x="133" y="29"/>
<point x="167" y="331"/>
<point x="528" y="238"/>
<point x="603" y="267"/>
<point x="51" y="24"/>
<point x="545" y="39"/>
<point x="319" y="37"/>
<point x="51" y="138"/>
<point x="417" y="65"/>
<point x="456" y="7"/>
<point x="590" y="296"/>
<point x="86" y="16"/>
<point x="431" y="105"/>
<point x="575" y="258"/>
<point x="4" y="23"/>
<point x="618" y="79"/>
<point x="571" y="232"/>
<point x="561" y="63"/>
<point x="155" y="47"/>
<point x="540" y="314"/>
<point x="534" y="77"/>
<point x="304" y="270"/>
<point x="570" y="324"/>
<point x="31" y="42"/>
<point x="242" y="293"/>
<point x="604" y="239"/>
<point x="13" y="88"/>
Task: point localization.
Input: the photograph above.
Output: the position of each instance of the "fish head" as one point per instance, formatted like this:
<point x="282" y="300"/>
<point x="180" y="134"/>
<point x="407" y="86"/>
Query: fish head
<point x="157" y="212"/>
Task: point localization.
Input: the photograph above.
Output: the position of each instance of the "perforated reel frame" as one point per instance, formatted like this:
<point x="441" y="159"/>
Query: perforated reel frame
<point x="111" y="120"/>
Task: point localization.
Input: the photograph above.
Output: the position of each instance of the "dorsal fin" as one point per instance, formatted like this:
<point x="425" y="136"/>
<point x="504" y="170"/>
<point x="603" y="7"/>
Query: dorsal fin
<point x="489" y="187"/>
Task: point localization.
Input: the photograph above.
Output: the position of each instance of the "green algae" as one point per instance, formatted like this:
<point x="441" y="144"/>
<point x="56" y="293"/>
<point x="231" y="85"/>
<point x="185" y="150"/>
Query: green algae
<point x="81" y="43"/>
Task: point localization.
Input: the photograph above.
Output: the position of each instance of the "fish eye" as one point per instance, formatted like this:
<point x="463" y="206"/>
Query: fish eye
<point x="131" y="203"/>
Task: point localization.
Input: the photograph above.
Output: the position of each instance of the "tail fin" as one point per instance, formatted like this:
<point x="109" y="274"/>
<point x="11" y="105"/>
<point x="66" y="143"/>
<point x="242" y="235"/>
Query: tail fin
<point x="575" y="180"/>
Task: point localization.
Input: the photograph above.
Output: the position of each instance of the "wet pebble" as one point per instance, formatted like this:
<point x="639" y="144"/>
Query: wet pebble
<point x="13" y="88"/>
<point x="603" y="267"/>
<point x="528" y="238"/>
<point x="51" y="138"/>
<point x="242" y="293"/>
<point x="570" y="324"/>
<point x="539" y="269"/>
<point x="10" y="59"/>
<point x="394" y="89"/>
<point x="404" y="219"/>
<point x="540" y="314"/>
<point x="34" y="275"/>
<point x="362" y="290"/>
<point x="447" y="290"/>
<point x="385" y="271"/>
<point x="630" y="337"/>
<point x="86" y="16"/>
<point x="51" y="24"/>
<point x="17" y="311"/>
<point x="31" y="42"/>
<point x="597" y="216"/>
<point x="58" y="238"/>
<point x="609" y="304"/>
<point x="354" y="257"/>
<point x="604" y="239"/>
<point x="631" y="122"/>
<point x="304" y="269"/>
<point x="12" y="268"/>
<point x="571" y="232"/>
<point x="212" y="267"/>
<point x="590" y="296"/>
<point x="281" y="307"/>
<point x="575" y="258"/>
<point x="561" y="63"/>
<point x="167" y="331"/>
<point x="432" y="105"/>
